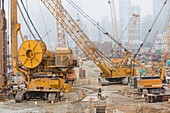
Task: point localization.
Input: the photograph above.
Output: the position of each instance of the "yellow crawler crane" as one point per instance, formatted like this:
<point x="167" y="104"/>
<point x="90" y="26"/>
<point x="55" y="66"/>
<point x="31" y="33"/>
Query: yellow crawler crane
<point x="45" y="71"/>
<point x="110" y="71"/>
<point x="152" y="81"/>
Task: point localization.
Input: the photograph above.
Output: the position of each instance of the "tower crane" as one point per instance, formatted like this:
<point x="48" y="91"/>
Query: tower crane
<point x="113" y="18"/>
<point x="132" y="31"/>
<point x="114" y="23"/>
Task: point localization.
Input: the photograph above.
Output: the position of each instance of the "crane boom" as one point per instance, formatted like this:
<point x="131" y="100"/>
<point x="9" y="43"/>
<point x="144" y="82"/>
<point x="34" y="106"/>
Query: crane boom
<point x="153" y="42"/>
<point x="79" y="37"/>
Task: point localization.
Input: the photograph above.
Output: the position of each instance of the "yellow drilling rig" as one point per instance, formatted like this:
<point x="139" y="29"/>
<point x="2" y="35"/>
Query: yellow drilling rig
<point x="45" y="71"/>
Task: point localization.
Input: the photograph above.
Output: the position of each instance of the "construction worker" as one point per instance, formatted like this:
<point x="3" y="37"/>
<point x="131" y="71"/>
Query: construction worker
<point x="14" y="92"/>
<point x="99" y="93"/>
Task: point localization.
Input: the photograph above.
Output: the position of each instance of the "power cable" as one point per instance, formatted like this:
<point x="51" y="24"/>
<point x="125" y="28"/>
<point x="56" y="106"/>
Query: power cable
<point x="105" y="32"/>
<point x="26" y="21"/>
<point x="86" y="15"/>
<point x="166" y="22"/>
<point x="30" y="20"/>
<point x="123" y="32"/>
<point x="47" y="34"/>
<point x="150" y="30"/>
<point x="93" y="22"/>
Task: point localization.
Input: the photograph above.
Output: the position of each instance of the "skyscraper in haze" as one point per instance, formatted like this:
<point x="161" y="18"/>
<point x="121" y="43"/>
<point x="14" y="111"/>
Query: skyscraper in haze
<point x="124" y="17"/>
<point x="126" y="11"/>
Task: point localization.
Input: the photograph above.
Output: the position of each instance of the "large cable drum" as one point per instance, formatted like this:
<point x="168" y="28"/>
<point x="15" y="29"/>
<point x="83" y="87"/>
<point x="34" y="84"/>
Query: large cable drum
<point x="31" y="53"/>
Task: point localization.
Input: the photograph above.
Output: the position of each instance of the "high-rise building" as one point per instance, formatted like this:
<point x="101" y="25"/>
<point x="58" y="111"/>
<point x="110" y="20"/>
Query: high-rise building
<point x="126" y="11"/>
<point x="124" y="18"/>
<point x="146" y="24"/>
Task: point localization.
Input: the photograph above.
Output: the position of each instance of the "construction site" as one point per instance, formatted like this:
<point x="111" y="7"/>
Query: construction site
<point x="83" y="56"/>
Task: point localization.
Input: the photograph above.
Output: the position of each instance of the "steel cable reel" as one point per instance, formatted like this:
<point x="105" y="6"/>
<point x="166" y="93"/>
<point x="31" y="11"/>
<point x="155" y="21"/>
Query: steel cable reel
<point x="31" y="53"/>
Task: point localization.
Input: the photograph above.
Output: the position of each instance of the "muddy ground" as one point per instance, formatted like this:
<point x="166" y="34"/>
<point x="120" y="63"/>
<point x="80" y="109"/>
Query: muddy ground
<point x="116" y="98"/>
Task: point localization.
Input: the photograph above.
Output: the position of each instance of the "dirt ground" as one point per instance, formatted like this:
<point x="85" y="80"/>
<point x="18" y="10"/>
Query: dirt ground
<point x="117" y="99"/>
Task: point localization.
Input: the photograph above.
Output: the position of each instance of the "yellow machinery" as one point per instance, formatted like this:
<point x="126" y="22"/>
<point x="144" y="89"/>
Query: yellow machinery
<point x="110" y="71"/>
<point x="46" y="72"/>
<point x="62" y="49"/>
<point x="151" y="81"/>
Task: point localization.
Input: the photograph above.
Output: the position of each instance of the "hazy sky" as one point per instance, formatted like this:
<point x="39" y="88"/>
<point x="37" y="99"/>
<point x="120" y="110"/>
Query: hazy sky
<point x="99" y="8"/>
<point x="96" y="9"/>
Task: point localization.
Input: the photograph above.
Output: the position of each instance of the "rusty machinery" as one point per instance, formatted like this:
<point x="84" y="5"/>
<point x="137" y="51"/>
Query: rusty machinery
<point x="3" y="48"/>
<point x="45" y="71"/>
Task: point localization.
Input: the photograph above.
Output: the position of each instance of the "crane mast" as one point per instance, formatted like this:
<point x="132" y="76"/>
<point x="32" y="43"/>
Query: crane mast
<point x="3" y="45"/>
<point x="79" y="37"/>
<point x="14" y="38"/>
<point x="132" y="31"/>
<point x="113" y="17"/>
<point x="60" y="32"/>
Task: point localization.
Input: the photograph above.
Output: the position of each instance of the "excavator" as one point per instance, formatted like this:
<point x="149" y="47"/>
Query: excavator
<point x="45" y="72"/>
